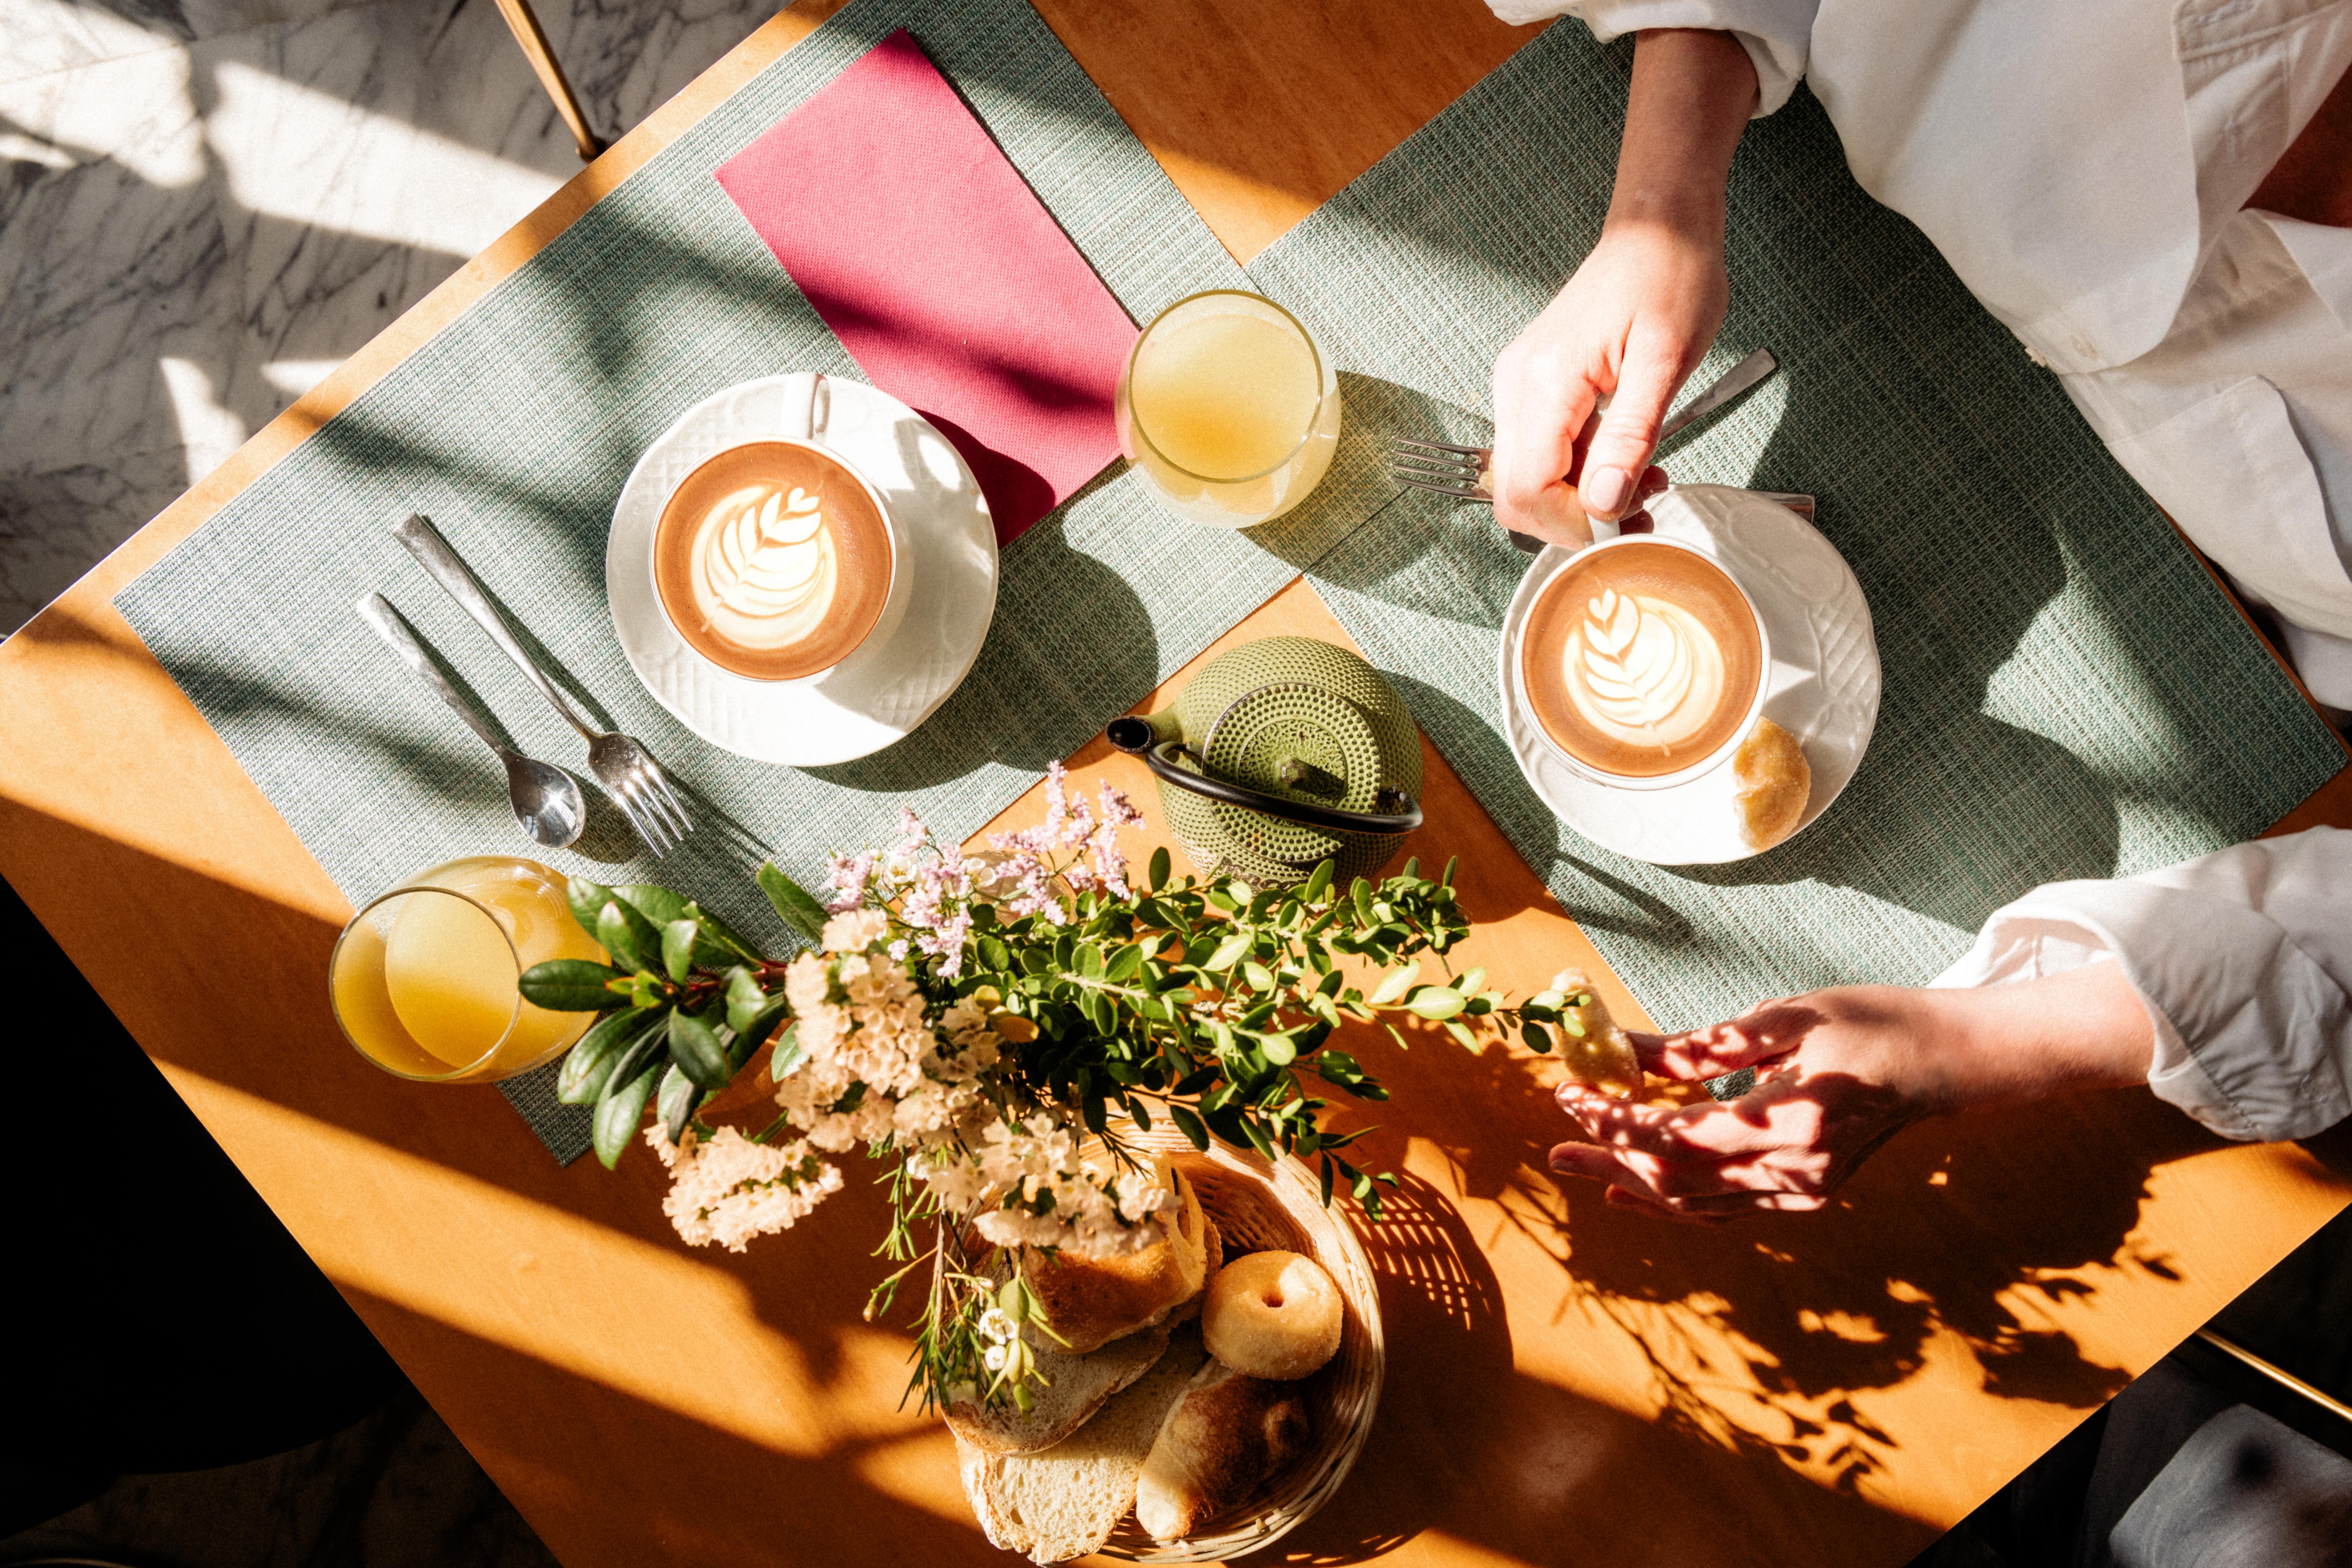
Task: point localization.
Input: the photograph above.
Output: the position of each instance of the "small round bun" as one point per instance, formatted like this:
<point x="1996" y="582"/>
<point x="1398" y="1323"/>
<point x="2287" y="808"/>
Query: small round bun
<point x="1273" y="1315"/>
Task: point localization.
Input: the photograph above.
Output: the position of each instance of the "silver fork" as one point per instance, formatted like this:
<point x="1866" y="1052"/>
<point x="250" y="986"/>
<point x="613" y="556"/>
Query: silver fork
<point x="1466" y="473"/>
<point x="621" y="762"/>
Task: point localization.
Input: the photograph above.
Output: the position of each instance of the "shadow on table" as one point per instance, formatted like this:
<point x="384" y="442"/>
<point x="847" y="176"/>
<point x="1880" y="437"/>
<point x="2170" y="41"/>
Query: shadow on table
<point x="1970" y="1228"/>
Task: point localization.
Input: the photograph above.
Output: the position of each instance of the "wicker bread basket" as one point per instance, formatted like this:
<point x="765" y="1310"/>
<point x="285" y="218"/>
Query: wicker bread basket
<point x="1261" y="1205"/>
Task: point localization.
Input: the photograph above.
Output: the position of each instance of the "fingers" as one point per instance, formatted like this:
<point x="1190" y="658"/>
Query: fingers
<point x="1618" y="457"/>
<point x="1629" y="1189"/>
<point x="1767" y="1031"/>
<point x="1540" y="405"/>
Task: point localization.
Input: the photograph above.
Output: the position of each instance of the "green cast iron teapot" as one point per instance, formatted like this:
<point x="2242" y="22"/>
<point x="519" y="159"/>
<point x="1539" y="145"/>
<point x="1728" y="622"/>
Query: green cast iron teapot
<point x="1281" y="754"/>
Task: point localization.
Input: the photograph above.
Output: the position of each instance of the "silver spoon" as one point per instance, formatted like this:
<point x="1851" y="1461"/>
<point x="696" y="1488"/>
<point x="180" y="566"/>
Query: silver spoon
<point x="546" y="800"/>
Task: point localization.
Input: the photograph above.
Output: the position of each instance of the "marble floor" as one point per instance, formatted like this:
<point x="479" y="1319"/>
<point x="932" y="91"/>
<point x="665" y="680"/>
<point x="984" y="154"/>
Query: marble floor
<point x="209" y="203"/>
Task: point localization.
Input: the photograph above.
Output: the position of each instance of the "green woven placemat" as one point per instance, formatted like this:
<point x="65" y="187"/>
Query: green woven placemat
<point x="2066" y="695"/>
<point x="514" y="428"/>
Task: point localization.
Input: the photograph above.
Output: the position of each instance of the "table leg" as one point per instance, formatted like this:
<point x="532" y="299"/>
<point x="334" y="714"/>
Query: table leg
<point x="533" y="42"/>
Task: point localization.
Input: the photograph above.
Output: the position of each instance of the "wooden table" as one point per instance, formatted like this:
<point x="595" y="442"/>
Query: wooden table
<point x="1565" y="1380"/>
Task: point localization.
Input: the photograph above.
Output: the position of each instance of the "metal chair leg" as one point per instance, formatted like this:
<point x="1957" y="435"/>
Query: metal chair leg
<point x="527" y="33"/>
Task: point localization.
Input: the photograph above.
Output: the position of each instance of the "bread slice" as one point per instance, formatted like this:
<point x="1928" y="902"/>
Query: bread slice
<point x="1214" y="1250"/>
<point x="1091" y="1301"/>
<point x="1076" y="1388"/>
<point x="1065" y="1501"/>
<point x="1223" y="1440"/>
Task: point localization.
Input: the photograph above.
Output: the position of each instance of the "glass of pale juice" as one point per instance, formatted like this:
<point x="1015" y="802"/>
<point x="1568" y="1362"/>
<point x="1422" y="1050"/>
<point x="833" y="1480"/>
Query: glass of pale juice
<point x="426" y="979"/>
<point x="1230" y="407"/>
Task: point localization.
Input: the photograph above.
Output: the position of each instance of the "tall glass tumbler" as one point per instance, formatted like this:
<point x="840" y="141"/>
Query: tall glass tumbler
<point x="426" y="979"/>
<point x="1230" y="407"/>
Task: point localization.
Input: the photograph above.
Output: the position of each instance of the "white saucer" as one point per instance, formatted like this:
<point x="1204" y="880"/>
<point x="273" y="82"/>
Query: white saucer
<point x="1822" y="687"/>
<point x="892" y="683"/>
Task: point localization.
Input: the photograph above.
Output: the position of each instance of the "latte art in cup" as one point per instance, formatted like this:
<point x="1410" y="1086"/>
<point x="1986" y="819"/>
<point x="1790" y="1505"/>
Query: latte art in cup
<point x="1643" y="659"/>
<point x="764" y="566"/>
<point x="773" y="561"/>
<point x="1644" y="671"/>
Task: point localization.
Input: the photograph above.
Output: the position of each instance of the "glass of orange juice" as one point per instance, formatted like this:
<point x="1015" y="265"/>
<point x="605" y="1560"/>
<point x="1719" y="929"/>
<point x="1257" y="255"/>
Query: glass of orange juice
<point x="426" y="979"/>
<point x="1230" y="407"/>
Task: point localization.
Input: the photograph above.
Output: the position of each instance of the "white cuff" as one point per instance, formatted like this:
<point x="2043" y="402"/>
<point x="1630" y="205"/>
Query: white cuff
<point x="2249" y="1028"/>
<point x="1777" y="34"/>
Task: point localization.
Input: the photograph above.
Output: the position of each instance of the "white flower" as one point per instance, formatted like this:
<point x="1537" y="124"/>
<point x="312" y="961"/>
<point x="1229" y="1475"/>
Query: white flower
<point x="731" y="1189"/>
<point x="855" y="931"/>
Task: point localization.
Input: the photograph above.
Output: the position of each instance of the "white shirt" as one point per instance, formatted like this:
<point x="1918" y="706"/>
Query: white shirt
<point x="2082" y="165"/>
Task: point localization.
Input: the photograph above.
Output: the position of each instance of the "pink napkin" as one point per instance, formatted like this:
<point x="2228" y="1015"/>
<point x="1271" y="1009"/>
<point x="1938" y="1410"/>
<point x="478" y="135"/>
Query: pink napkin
<point x="943" y="275"/>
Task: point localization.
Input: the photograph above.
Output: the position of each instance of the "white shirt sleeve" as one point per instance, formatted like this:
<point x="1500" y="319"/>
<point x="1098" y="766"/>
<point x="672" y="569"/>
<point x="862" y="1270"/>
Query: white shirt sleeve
<point x="2243" y="960"/>
<point x="1777" y="34"/>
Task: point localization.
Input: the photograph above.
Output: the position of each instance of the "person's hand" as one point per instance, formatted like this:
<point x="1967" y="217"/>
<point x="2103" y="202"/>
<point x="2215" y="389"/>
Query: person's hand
<point x="1632" y="324"/>
<point x="1842" y="1071"/>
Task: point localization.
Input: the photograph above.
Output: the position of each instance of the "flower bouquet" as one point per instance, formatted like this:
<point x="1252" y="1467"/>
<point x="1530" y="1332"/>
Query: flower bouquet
<point x="995" y="1027"/>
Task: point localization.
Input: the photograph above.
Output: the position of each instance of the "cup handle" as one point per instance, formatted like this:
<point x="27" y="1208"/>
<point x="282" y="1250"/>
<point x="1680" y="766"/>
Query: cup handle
<point x="808" y="406"/>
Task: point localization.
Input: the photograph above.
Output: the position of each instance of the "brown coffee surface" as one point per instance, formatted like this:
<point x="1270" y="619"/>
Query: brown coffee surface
<point x="1642" y="658"/>
<point x="773" y="561"/>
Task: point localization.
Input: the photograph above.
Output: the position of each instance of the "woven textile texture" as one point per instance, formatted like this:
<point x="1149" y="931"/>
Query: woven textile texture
<point x="2067" y="694"/>
<point x="514" y="429"/>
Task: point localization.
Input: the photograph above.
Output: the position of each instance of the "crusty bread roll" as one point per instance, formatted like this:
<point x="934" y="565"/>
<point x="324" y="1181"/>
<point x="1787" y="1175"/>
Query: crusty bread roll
<point x="1065" y="1501"/>
<point x="1227" y="1435"/>
<point x="1091" y="1301"/>
<point x="1076" y="1388"/>
<point x="1273" y="1315"/>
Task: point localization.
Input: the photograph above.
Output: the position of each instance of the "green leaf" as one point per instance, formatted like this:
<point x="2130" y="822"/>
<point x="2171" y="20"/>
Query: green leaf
<point x="1396" y="985"/>
<point x="1447" y="879"/>
<point x="720" y="941"/>
<point x="789" y="1053"/>
<point x="1189" y="1124"/>
<point x="628" y="936"/>
<point x="618" y="1113"/>
<point x="1135" y="1109"/>
<point x="658" y="905"/>
<point x="677" y="943"/>
<point x="1461" y="1033"/>
<point x="995" y="954"/>
<point x="1471" y="982"/>
<point x="1258" y="1139"/>
<point x="1090" y="960"/>
<point x="591" y="1060"/>
<point x="1324" y="1186"/>
<point x="675" y="1102"/>
<point x="696" y="1048"/>
<point x="1435" y="1003"/>
<point x="1157" y="876"/>
<point x="1361" y="894"/>
<point x="587" y="897"/>
<point x="1126" y="963"/>
<point x="571" y="985"/>
<point x="1228" y="952"/>
<point x="1280" y="1049"/>
<point x="1257" y="976"/>
<point x="1319" y="883"/>
<point x="1538" y="1038"/>
<point x="799" y="913"/>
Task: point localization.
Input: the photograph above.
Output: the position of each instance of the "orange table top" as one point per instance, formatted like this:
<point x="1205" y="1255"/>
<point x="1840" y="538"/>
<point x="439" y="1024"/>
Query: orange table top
<point x="1563" y="1378"/>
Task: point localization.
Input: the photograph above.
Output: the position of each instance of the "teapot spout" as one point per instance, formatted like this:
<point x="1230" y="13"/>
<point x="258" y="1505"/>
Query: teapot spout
<point x="1137" y="733"/>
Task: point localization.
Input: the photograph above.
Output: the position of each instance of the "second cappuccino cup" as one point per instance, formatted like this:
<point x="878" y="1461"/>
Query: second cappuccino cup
<point x="1644" y="663"/>
<point x="775" y="560"/>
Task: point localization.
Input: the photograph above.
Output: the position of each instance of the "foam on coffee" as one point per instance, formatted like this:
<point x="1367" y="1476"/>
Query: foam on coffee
<point x="773" y="561"/>
<point x="1642" y="659"/>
